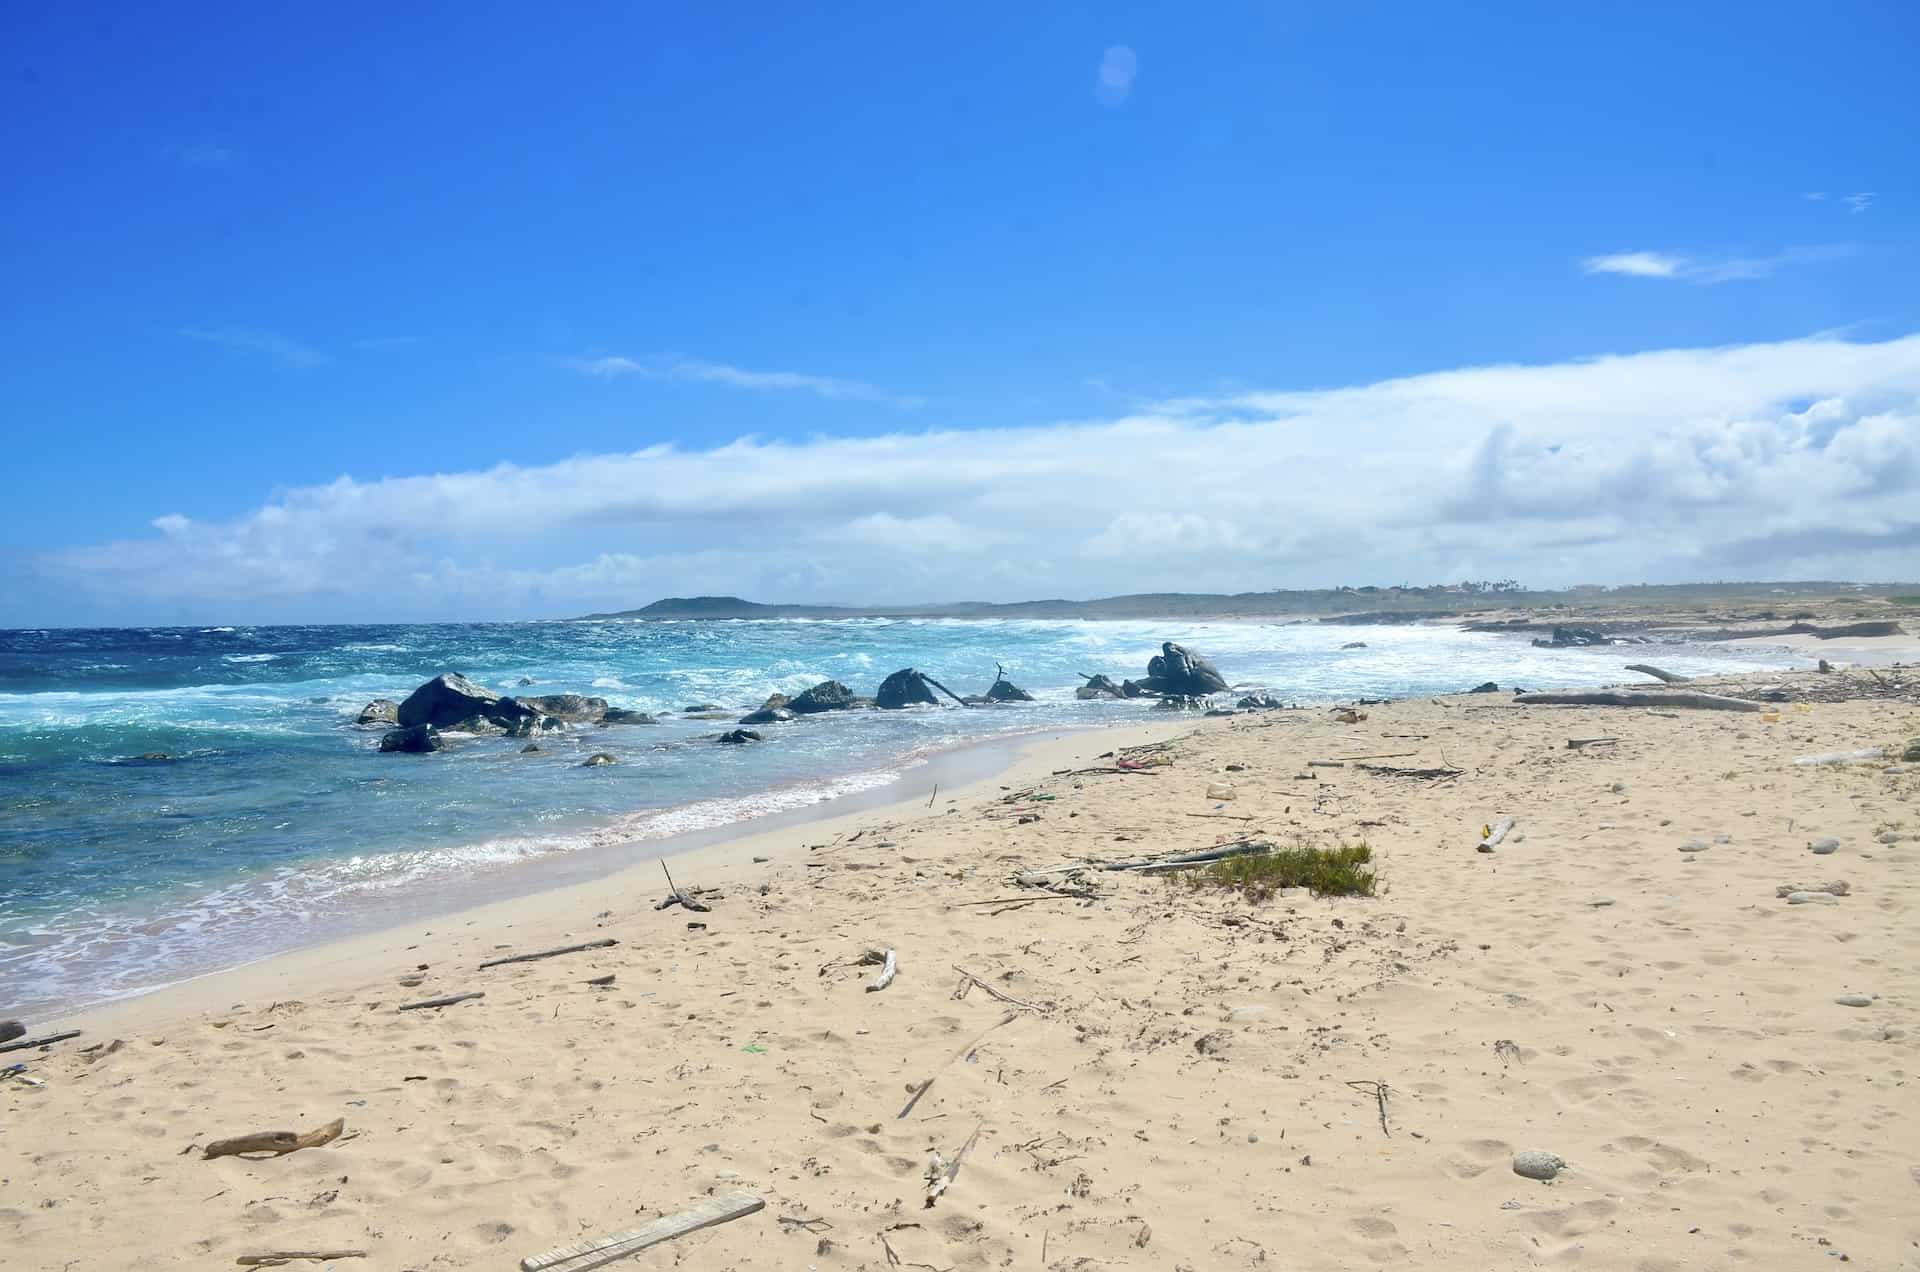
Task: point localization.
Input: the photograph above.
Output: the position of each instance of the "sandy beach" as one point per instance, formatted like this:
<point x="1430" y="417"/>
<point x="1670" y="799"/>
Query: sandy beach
<point x="1152" y="1076"/>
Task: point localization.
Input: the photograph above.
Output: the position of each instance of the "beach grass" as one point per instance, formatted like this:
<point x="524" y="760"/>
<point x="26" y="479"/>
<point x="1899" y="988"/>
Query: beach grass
<point x="1345" y="871"/>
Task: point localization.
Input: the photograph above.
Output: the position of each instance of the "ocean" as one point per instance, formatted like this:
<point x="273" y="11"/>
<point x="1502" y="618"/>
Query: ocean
<point x="275" y="822"/>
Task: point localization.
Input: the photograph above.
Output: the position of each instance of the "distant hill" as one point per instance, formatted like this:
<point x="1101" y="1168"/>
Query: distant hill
<point x="1363" y="604"/>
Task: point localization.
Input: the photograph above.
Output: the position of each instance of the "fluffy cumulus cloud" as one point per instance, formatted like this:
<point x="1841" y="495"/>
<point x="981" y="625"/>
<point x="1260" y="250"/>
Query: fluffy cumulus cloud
<point x="1799" y="458"/>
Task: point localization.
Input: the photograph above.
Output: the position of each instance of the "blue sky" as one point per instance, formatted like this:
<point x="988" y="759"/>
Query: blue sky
<point x="252" y="252"/>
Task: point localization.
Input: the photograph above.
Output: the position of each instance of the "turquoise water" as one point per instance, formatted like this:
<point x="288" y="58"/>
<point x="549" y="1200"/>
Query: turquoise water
<point x="276" y="822"/>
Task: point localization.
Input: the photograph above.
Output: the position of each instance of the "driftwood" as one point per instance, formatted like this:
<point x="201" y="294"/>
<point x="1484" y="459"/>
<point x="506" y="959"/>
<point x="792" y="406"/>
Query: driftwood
<point x="1149" y="865"/>
<point x="275" y="1258"/>
<point x="448" y="1001"/>
<point x="1426" y="774"/>
<point x="968" y="980"/>
<point x="1575" y="744"/>
<point x="889" y="966"/>
<point x="599" y="1251"/>
<point x="1665" y="677"/>
<point x="926" y="1086"/>
<point x="601" y="982"/>
<point x="1842" y="757"/>
<point x="1500" y="831"/>
<point x="943" y="1180"/>
<point x="27" y="1044"/>
<point x="1637" y="698"/>
<point x="564" y="949"/>
<point x="677" y="897"/>
<point x="274" y="1143"/>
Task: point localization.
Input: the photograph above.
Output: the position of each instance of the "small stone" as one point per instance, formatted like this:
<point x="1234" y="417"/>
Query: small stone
<point x="1821" y="847"/>
<point x="1695" y="845"/>
<point x="726" y="1174"/>
<point x="1533" y="1164"/>
<point x="1618" y="788"/>
<point x="1601" y="903"/>
<point x="1723" y="838"/>
<point x="1855" y="1000"/>
<point x="1812" y="898"/>
<point x="1889" y="837"/>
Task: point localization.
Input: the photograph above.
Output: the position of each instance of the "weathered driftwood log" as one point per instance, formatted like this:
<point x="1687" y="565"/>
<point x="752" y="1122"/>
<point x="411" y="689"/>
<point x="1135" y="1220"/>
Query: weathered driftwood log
<point x="564" y="949"/>
<point x="448" y="1001"/>
<point x="1637" y="698"/>
<point x="599" y="1251"/>
<point x="1500" y="831"/>
<point x="890" y="964"/>
<point x="1666" y="677"/>
<point x="26" y="1044"/>
<point x="275" y="1143"/>
<point x="277" y="1258"/>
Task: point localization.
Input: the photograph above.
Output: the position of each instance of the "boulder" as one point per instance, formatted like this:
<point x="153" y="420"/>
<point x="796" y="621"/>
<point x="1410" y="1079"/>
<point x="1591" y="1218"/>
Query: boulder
<point x="1912" y="751"/>
<point x="11" y="1029"/>
<point x="1488" y="687"/>
<point x="532" y="748"/>
<point x="598" y="761"/>
<point x="1135" y="689"/>
<point x="709" y="715"/>
<point x="526" y="680"/>
<point x="828" y="695"/>
<point x="1355" y="644"/>
<point x="1176" y="670"/>
<point x="571" y="707"/>
<point x="1097" y="687"/>
<point x="699" y="708"/>
<point x="1261" y="702"/>
<point x="775" y="701"/>
<point x="767" y="715"/>
<point x="625" y="715"/>
<point x="380" y="711"/>
<point x="416" y="739"/>
<point x="905" y="688"/>
<point x="157" y="757"/>
<point x="740" y="737"/>
<point x="527" y="726"/>
<point x="1004" y="690"/>
<point x="450" y="698"/>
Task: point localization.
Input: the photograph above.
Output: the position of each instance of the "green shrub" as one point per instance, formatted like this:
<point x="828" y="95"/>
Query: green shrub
<point x="1327" y="872"/>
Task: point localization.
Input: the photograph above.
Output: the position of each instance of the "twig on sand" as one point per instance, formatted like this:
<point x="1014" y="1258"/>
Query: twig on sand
<point x="968" y="980"/>
<point x="540" y="954"/>
<point x="1051" y="896"/>
<point x="952" y="1172"/>
<point x="924" y="1087"/>
<point x="448" y="1001"/>
<point x="274" y="1258"/>
<point x="1379" y="1091"/>
<point x="1500" y="831"/>
<point x="274" y="1143"/>
<point x="677" y="897"/>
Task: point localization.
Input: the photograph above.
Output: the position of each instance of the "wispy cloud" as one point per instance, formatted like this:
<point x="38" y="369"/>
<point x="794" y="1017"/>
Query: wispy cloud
<point x="1119" y="66"/>
<point x="267" y="344"/>
<point x="675" y="367"/>
<point x="1860" y="202"/>
<point x="1814" y="196"/>
<point x="1711" y="269"/>
<point x="1798" y="458"/>
<point x="198" y="154"/>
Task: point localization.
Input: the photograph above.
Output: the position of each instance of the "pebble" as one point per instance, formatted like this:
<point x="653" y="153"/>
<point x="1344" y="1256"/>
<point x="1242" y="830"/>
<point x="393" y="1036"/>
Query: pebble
<point x="1812" y="898"/>
<point x="1889" y="837"/>
<point x="1695" y="845"/>
<point x="1855" y="1000"/>
<point x="1600" y="903"/>
<point x="1533" y="1164"/>
<point x="1821" y="847"/>
<point x="1723" y="838"/>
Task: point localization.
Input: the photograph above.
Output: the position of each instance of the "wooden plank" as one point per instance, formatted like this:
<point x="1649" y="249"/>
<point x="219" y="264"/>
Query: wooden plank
<point x="599" y="1251"/>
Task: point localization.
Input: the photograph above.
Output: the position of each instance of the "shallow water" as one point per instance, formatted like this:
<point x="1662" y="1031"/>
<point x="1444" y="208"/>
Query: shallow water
<point x="277" y="823"/>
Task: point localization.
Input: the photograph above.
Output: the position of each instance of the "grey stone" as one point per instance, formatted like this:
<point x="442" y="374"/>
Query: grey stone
<point x="572" y="707"/>
<point x="905" y="688"/>
<point x="1534" y="1164"/>
<point x="1695" y="845"/>
<point x="828" y="695"/>
<point x="416" y="739"/>
<point x="1821" y="847"/>
<point x="600" y="760"/>
<point x="740" y="737"/>
<point x="1178" y="670"/>
<point x="1855" y="1000"/>
<point x="625" y="715"/>
<point x="767" y="715"/>
<point x="1812" y="898"/>
<point x="380" y="711"/>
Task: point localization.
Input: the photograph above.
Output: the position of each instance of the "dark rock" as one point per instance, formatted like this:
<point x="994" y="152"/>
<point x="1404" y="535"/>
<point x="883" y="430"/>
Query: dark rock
<point x="1177" y="670"/>
<point x="767" y="715"/>
<point x="775" y="701"/>
<point x="905" y="688"/>
<point x="532" y="748"/>
<point x="1135" y="689"/>
<point x="701" y="707"/>
<point x="571" y="707"/>
<point x="1098" y="687"/>
<point x="11" y="1029"/>
<point x="828" y="695"/>
<point x="739" y="737"/>
<point x="1574" y="638"/>
<point x="625" y="715"/>
<point x="527" y="726"/>
<point x="415" y="738"/>
<point x="157" y="757"/>
<point x="1004" y="690"/>
<point x="451" y="697"/>
<point x="598" y="761"/>
<point x="526" y="680"/>
<point x="709" y="715"/>
<point x="1261" y="702"/>
<point x="1355" y="644"/>
<point x="480" y="726"/>
<point x="1488" y="687"/>
<point x="1912" y="751"/>
<point x="380" y="711"/>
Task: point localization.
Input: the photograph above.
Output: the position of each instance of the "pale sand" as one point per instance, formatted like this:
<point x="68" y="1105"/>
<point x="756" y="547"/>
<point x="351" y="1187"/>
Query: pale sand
<point x="1182" y="1102"/>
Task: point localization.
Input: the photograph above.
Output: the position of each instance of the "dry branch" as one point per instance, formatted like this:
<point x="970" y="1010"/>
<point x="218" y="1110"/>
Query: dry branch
<point x="1500" y="831"/>
<point x="275" y="1258"/>
<point x="890" y="964"/>
<point x="1637" y="698"/>
<point x="26" y="1044"/>
<point x="1666" y="677"/>
<point x="448" y="1001"/>
<point x="968" y="980"/>
<point x="564" y="949"/>
<point x="274" y="1143"/>
<point x="926" y="1086"/>
<point x="599" y="1251"/>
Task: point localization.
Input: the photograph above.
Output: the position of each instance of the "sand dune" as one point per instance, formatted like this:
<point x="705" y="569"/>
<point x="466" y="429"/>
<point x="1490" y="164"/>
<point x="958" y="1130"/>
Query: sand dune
<point x="1187" y="1078"/>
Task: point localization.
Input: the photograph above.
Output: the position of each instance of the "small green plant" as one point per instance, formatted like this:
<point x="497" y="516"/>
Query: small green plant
<point x="1345" y="871"/>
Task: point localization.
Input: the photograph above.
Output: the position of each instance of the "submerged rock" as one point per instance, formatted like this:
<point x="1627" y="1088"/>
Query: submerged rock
<point x="625" y="715"/>
<point x="527" y="726"/>
<point x="379" y="711"/>
<point x="1178" y="670"/>
<point x="767" y="715"/>
<point x="450" y="698"/>
<point x="1004" y="690"/>
<point x="572" y="707"/>
<point x="1491" y="686"/>
<point x="1260" y="702"/>
<point x="598" y="761"/>
<point x="699" y="707"/>
<point x="1574" y="638"/>
<point x="905" y="688"/>
<point x="1098" y="687"/>
<point x="828" y="695"/>
<point x="416" y="739"/>
<point x="740" y="737"/>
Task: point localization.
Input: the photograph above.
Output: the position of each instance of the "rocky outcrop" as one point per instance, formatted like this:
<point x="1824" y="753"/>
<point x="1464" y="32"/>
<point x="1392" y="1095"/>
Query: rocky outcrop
<point x="905" y="688"/>
<point x="1004" y="690"/>
<point x="527" y="726"/>
<point x="380" y="711"/>
<point x="1260" y="702"/>
<point x="571" y="707"/>
<point x="1489" y="687"/>
<point x="740" y="737"/>
<point x="768" y="715"/>
<point x="451" y="699"/>
<point x="828" y="695"/>
<point x="1178" y="671"/>
<point x="625" y="715"/>
<point x="1573" y="638"/>
<point x="1097" y="687"/>
<point x="417" y="739"/>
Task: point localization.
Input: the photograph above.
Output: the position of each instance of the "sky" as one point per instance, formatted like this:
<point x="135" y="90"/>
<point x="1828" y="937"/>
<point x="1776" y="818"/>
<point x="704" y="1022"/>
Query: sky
<point x="377" y="313"/>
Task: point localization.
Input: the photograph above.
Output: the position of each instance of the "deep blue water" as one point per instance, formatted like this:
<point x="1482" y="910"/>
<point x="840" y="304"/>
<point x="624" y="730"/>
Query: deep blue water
<point x="276" y="821"/>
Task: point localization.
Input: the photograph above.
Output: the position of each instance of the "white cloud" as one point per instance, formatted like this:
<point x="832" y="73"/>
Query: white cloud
<point x="1771" y="460"/>
<point x="1859" y="202"/>
<point x="1118" y="68"/>
<point x="674" y="367"/>
<point x="1723" y="269"/>
<point x="288" y="353"/>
